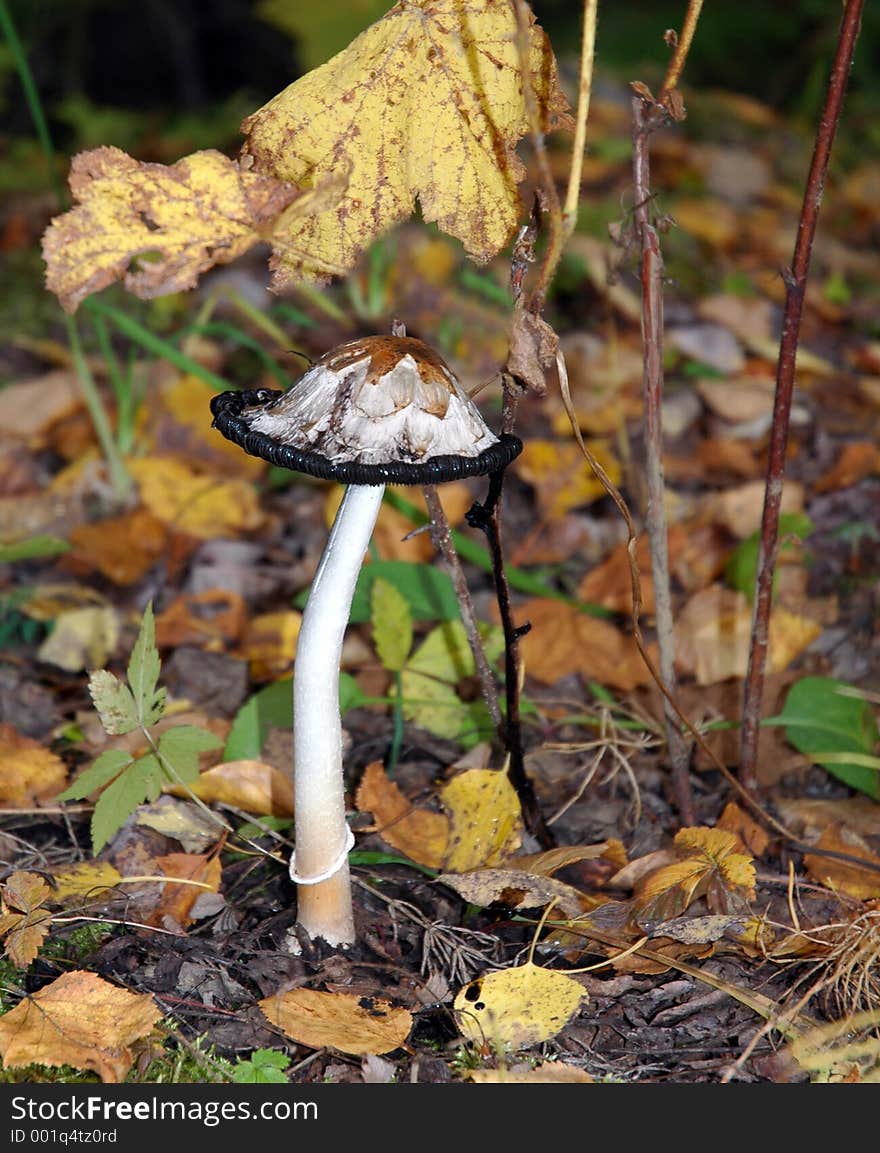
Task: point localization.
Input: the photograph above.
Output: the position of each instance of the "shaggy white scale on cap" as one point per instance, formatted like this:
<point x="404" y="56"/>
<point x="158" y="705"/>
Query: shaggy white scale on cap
<point x="376" y="400"/>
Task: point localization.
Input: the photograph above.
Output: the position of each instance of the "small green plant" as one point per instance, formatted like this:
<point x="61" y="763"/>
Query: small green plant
<point x="125" y="780"/>
<point x="834" y="725"/>
<point x="265" y="1067"/>
<point x="742" y="564"/>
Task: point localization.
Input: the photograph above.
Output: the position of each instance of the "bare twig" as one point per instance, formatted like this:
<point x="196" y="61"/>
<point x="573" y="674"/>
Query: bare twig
<point x="644" y="120"/>
<point x="682" y="47"/>
<point x="795" y="289"/>
<point x="486" y="517"/>
<point x="441" y="536"/>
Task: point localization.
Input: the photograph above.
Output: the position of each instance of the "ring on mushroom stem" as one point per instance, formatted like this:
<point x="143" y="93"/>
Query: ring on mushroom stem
<point x="375" y="411"/>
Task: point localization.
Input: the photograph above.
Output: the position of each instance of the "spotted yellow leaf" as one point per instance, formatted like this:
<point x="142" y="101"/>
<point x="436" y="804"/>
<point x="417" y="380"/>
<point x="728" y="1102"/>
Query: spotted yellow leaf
<point x="426" y="103"/>
<point x="519" y="1007"/>
<point x="485" y="823"/>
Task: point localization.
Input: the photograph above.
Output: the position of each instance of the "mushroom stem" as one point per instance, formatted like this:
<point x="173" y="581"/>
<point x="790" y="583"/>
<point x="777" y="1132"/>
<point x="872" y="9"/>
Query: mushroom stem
<point x="324" y="905"/>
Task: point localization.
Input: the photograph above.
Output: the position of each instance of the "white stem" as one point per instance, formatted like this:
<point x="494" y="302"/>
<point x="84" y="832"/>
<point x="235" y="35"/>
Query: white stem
<point x="322" y="837"/>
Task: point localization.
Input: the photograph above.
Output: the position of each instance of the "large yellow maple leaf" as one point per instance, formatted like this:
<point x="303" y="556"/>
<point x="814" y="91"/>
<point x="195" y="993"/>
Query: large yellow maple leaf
<point x="426" y="103"/>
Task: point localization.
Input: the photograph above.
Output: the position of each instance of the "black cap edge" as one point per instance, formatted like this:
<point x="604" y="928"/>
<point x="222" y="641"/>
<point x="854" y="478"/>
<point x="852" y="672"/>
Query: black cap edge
<point x="227" y="407"/>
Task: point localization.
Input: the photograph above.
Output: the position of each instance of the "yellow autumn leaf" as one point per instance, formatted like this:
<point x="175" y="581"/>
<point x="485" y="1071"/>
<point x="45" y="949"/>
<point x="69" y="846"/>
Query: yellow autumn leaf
<point x="562" y="479"/>
<point x="485" y="823"/>
<point x="201" y="504"/>
<point x="174" y="222"/>
<point x="252" y="786"/>
<point x="709" y="866"/>
<point x="29" y="773"/>
<point x="80" y="1020"/>
<point x="348" y="1022"/>
<point x="427" y="103"/>
<point x="84" y="881"/>
<point x="269" y="643"/>
<point x="81" y="639"/>
<point x="519" y="1007"/>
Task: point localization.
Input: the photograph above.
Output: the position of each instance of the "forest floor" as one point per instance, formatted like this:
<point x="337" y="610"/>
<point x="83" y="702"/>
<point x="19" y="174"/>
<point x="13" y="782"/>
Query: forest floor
<point x="700" y="958"/>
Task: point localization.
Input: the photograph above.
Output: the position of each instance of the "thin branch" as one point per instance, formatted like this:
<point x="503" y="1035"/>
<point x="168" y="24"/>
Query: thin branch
<point x="487" y="518"/>
<point x="441" y="536"/>
<point x="682" y="47"/>
<point x="585" y="88"/>
<point x="795" y="289"/>
<point x="644" y="119"/>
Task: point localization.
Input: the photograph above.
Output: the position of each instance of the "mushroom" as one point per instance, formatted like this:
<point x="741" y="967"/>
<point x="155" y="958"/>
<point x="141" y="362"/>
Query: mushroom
<point x="375" y="411"/>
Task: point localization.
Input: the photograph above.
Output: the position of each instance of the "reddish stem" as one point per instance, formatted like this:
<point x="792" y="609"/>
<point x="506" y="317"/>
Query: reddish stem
<point x="795" y="289"/>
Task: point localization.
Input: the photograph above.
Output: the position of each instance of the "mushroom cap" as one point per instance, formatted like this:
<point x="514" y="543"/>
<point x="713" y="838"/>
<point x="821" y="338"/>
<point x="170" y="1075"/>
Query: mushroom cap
<point x="379" y="410"/>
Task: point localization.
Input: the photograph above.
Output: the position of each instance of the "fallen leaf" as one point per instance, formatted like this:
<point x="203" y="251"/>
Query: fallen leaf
<point x="708" y="866"/>
<point x="546" y="863"/>
<point x="561" y="477"/>
<point x="739" y="509"/>
<point x="857" y="460"/>
<point x="713" y="631"/>
<point x="518" y="1007"/>
<point x="176" y="900"/>
<point x="427" y="71"/>
<point x="29" y="773"/>
<point x="78" y="1020"/>
<point x="751" y="836"/>
<point x="122" y="548"/>
<point x="30" y="408"/>
<point x="209" y="620"/>
<point x="343" y="1021"/>
<point x="171" y="222"/>
<point x="419" y="833"/>
<point x="84" y="881"/>
<point x="183" y="821"/>
<point x="842" y="877"/>
<point x="202" y="504"/>
<point x="564" y="641"/>
<point x="609" y="584"/>
<point x="179" y="427"/>
<point x="81" y="639"/>
<point x="24" y="923"/>
<point x="514" y="889"/>
<point x="269" y="643"/>
<point x="253" y="786"/>
<point x="547" y="1073"/>
<point x="485" y="823"/>
<point x="746" y="399"/>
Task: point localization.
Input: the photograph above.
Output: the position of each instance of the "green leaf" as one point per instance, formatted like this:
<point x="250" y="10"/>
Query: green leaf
<point x="392" y="625"/>
<point x="445" y="654"/>
<point x="181" y="746"/>
<point x="141" y="781"/>
<point x="428" y="590"/>
<point x="432" y="704"/>
<point x="33" y="548"/>
<point x="265" y="1067"/>
<point x="114" y="702"/>
<point x="103" y="769"/>
<point x="823" y="719"/>
<point x="143" y="673"/>
<point x="272" y="707"/>
<point x="741" y="568"/>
